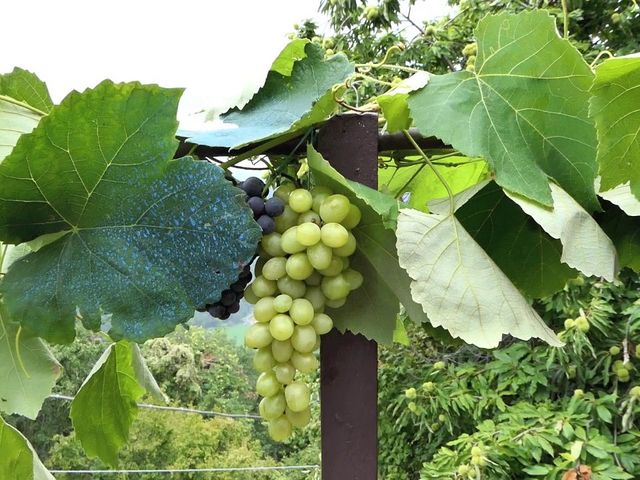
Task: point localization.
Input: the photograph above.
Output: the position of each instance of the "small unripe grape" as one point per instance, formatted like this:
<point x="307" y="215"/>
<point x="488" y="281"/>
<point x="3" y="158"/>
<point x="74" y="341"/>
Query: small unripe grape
<point x="289" y="242"/>
<point x="463" y="469"/>
<point x="335" y="288"/>
<point x="281" y="327"/>
<point x="291" y="287"/>
<point x="336" y="266"/>
<point x="263" y="360"/>
<point x="264" y="310"/>
<point x="274" y="268"/>
<point x="283" y="191"/>
<point x="298" y="396"/>
<point x="304" y="362"/>
<point x="410" y="393"/>
<point x="258" y="336"/>
<point x="476" y="451"/>
<point x="320" y="256"/>
<point x="271" y="244"/>
<point x="353" y="278"/>
<point x="335" y="303"/>
<point x="288" y="219"/>
<point x="281" y="351"/>
<point x="334" y="208"/>
<point x="582" y="324"/>
<point x="412" y="406"/>
<point x="322" y="323"/>
<point x="479" y="461"/>
<point x="267" y="384"/>
<point x="280" y="429"/>
<point x="316" y="297"/>
<point x="635" y="391"/>
<point x="298" y="266"/>
<point x="569" y="323"/>
<point x="428" y="386"/>
<point x="298" y="419"/>
<point x="309" y="217"/>
<point x="439" y="365"/>
<point x="353" y="217"/>
<point x="308" y="234"/>
<point x="282" y="303"/>
<point x="263" y="287"/>
<point x="615" y="350"/>
<point x="348" y="248"/>
<point x="314" y="279"/>
<point x="274" y="406"/>
<point x="578" y="393"/>
<point x="304" y="338"/>
<point x="301" y="311"/>
<point x="623" y="375"/>
<point x="284" y="373"/>
<point x="300" y="200"/>
<point x="334" y="235"/>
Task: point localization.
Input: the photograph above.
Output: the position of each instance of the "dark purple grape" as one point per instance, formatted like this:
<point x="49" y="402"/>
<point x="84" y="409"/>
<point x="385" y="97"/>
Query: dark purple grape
<point x="252" y="186"/>
<point x="267" y="224"/>
<point x="225" y="315"/>
<point x="233" y="308"/>
<point x="217" y="310"/>
<point x="238" y="287"/>
<point x="228" y="298"/>
<point x="274" y="207"/>
<point x="257" y="206"/>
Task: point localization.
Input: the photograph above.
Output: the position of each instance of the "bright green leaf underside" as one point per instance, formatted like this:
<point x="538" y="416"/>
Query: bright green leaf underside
<point x="514" y="111"/>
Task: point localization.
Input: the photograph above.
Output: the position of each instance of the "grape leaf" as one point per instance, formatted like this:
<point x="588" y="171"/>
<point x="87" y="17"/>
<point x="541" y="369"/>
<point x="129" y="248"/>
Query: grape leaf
<point x="615" y="107"/>
<point x="144" y="376"/>
<point x="26" y="376"/>
<point x="105" y="406"/>
<point x="290" y="54"/>
<point x="622" y="196"/>
<point x="393" y="103"/>
<point x="145" y="239"/>
<point x="18" y="459"/>
<point x="458" y="284"/>
<point x="520" y="248"/>
<point x="15" y="119"/>
<point x="513" y="110"/>
<point x="26" y="87"/>
<point x="284" y="104"/>
<point x="585" y="246"/>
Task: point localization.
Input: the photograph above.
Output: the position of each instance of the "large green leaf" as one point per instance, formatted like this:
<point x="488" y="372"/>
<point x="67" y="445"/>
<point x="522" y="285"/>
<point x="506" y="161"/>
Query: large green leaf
<point x="18" y="460"/>
<point x="15" y="119"/>
<point x="293" y="52"/>
<point x="105" y="406"/>
<point x="520" y="248"/>
<point x="145" y="239"/>
<point x="585" y="246"/>
<point x="393" y="103"/>
<point x="26" y="87"/>
<point x="623" y="198"/>
<point x="458" y="284"/>
<point x="615" y="107"/>
<point x="285" y="104"/>
<point x="28" y="370"/>
<point x="513" y="110"/>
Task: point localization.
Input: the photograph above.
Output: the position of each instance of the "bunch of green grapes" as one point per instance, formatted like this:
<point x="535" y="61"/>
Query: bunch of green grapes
<point x="303" y="268"/>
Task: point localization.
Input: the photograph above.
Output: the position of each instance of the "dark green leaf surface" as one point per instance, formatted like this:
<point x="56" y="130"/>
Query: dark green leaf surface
<point x="514" y="111"/>
<point x="285" y="103"/>
<point x="147" y="239"/>
<point x="26" y="87"/>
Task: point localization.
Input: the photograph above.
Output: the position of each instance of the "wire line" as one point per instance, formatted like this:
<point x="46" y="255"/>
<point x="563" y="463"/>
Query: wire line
<point x="189" y="470"/>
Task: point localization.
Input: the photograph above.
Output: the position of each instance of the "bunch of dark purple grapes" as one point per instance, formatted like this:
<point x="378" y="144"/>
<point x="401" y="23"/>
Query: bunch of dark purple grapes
<point x="263" y="213"/>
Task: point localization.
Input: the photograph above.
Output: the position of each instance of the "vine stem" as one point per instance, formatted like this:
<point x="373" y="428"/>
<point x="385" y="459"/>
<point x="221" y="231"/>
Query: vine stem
<point x="565" y="16"/>
<point x="374" y="80"/>
<point x="434" y="169"/>
<point x="599" y="56"/>
<point x="387" y="66"/>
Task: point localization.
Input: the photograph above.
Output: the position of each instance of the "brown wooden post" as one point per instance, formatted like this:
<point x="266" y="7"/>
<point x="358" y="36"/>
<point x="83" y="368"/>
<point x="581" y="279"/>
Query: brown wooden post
<point x="349" y="375"/>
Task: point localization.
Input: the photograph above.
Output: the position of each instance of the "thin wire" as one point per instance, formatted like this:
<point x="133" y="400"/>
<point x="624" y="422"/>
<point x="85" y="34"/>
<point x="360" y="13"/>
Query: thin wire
<point x="188" y="470"/>
<point x="205" y="413"/>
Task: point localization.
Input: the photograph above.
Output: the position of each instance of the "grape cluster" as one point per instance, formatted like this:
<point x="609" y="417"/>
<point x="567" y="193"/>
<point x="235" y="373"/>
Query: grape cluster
<point x="264" y="212"/>
<point x="303" y="267"/>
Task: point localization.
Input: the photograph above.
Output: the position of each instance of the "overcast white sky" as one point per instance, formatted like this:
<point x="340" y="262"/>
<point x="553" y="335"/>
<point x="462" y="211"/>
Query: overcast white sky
<point x="217" y="49"/>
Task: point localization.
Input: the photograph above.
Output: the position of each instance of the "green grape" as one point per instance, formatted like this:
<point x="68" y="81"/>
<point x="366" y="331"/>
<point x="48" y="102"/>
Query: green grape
<point x="353" y="278"/>
<point x="300" y="200"/>
<point x="301" y="311"/>
<point x="309" y="217"/>
<point x="298" y="419"/>
<point x="316" y="297"/>
<point x="298" y="396"/>
<point x="314" y="279"/>
<point x="281" y="351"/>
<point x="271" y="244"/>
<point x="249" y="296"/>
<point x="322" y="323"/>
<point x="320" y="256"/>
<point x="293" y="288"/>
<point x="334" y="208"/>
<point x="345" y="263"/>
<point x="333" y="235"/>
<point x="346" y="250"/>
<point x="282" y="303"/>
<point x="289" y="242"/>
<point x="308" y="234"/>
<point x="284" y="372"/>
<point x="264" y="310"/>
<point x="317" y="202"/>
<point x="273" y="407"/>
<point x="320" y="190"/>
<point x="336" y="266"/>
<point x="260" y="263"/>
<point x="280" y="429"/>
<point x="274" y="268"/>
<point x="267" y="384"/>
<point x="336" y="303"/>
<point x="304" y="362"/>
<point x="258" y="336"/>
<point x="263" y="360"/>
<point x="304" y="338"/>
<point x="298" y="266"/>
<point x="286" y="220"/>
<point x="281" y="327"/>
<point x="353" y="217"/>
<point x="283" y="191"/>
<point x="335" y="288"/>
<point x="263" y="287"/>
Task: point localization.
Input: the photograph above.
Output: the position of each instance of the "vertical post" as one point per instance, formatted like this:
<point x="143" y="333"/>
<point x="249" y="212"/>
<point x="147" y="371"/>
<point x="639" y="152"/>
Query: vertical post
<point x="348" y="367"/>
